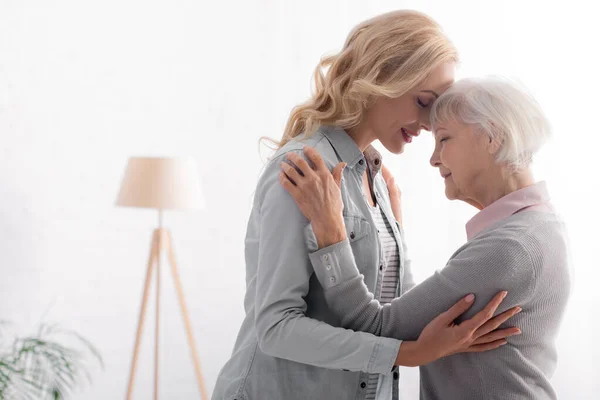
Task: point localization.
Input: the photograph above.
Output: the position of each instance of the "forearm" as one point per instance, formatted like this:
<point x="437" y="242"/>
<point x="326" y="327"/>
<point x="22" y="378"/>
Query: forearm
<point x="345" y="292"/>
<point x="477" y="270"/>
<point x="308" y="341"/>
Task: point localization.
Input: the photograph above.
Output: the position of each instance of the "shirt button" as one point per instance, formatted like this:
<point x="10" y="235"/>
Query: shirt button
<point x="376" y="161"/>
<point x="326" y="257"/>
<point x="395" y="376"/>
<point x="363" y="385"/>
<point x="377" y="194"/>
<point x="361" y="162"/>
<point x="328" y="267"/>
<point x="381" y="267"/>
<point x="332" y="279"/>
<point x="352" y="235"/>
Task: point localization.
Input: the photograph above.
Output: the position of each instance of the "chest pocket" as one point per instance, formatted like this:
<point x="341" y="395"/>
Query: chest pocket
<point x="357" y="231"/>
<point x="364" y="246"/>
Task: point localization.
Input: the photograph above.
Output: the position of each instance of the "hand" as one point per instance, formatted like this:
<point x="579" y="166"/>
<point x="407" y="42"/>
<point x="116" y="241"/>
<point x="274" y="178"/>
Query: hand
<point x="317" y="193"/>
<point x="442" y="337"/>
<point x="395" y="193"/>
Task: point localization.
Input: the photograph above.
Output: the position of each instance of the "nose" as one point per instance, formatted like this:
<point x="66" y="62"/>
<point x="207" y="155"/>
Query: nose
<point x="435" y="158"/>
<point x="426" y="125"/>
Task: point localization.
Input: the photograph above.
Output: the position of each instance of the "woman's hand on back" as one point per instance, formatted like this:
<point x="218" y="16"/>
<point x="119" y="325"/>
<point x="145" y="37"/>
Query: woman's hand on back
<point x="317" y="193"/>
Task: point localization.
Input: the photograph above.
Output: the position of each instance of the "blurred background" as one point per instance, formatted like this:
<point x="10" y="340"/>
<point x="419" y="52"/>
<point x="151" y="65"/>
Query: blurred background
<point x="86" y="84"/>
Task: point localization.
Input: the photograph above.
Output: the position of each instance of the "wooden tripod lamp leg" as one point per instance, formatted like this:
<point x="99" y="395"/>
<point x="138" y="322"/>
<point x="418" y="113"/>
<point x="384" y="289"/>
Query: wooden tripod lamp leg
<point x="151" y="260"/>
<point x="186" y="318"/>
<point x="157" y="320"/>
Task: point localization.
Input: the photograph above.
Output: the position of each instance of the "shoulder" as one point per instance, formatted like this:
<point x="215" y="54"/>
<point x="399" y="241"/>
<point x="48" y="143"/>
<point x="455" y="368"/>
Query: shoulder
<point x="503" y="245"/>
<point x="526" y="240"/>
<point x="268" y="183"/>
<point x="537" y="232"/>
<point x="318" y="141"/>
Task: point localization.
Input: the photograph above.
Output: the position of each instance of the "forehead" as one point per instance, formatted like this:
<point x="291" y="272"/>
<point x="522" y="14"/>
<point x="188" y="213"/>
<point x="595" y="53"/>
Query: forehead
<point x="448" y="126"/>
<point x="440" y="78"/>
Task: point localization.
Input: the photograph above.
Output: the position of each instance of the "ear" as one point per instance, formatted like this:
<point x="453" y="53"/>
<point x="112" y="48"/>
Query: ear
<point x="494" y="146"/>
<point x="495" y="140"/>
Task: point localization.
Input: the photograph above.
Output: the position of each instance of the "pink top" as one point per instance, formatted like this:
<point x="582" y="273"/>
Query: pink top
<point x="534" y="197"/>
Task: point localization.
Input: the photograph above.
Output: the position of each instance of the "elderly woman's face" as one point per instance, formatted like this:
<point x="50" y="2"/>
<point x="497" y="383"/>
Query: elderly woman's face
<point x="463" y="157"/>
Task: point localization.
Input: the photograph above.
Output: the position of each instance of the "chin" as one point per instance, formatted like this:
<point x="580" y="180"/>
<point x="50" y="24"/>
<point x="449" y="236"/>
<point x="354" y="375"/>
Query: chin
<point x="451" y="194"/>
<point x="394" y="148"/>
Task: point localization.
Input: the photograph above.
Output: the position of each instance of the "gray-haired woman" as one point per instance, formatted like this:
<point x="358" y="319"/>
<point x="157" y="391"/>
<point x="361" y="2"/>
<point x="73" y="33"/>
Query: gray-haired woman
<point x="486" y="132"/>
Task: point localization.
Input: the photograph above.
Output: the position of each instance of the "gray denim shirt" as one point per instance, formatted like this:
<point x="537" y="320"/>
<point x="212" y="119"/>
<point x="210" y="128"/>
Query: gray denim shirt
<point x="290" y="345"/>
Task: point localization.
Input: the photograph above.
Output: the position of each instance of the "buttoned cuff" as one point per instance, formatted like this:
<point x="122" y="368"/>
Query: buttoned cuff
<point x="334" y="264"/>
<point x="384" y="356"/>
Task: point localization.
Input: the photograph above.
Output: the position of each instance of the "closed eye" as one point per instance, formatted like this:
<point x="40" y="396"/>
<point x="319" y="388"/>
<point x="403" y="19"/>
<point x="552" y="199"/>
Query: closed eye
<point x="444" y="139"/>
<point x="421" y="104"/>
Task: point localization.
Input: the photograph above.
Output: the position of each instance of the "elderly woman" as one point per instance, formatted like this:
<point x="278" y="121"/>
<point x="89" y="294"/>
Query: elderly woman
<point x="486" y="132"/>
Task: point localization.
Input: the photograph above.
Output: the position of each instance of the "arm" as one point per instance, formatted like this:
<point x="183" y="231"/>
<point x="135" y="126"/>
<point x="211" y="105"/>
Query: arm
<point x="282" y="282"/>
<point x="483" y="267"/>
<point x="318" y="196"/>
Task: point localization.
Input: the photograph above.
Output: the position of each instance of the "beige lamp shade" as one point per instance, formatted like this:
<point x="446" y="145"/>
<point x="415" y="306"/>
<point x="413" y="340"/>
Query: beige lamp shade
<point x="161" y="183"/>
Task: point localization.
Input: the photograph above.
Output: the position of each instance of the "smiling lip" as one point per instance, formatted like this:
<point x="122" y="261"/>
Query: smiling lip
<point x="411" y="133"/>
<point x="446" y="175"/>
<point x="408" y="135"/>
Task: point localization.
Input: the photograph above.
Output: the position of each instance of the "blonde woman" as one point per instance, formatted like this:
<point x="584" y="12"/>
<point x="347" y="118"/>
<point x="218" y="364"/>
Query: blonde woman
<point x="290" y="345"/>
<point x="486" y="132"/>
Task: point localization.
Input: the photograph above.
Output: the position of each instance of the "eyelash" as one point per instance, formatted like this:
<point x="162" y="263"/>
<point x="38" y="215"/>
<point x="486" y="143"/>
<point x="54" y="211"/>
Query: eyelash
<point x="443" y="140"/>
<point x="421" y="104"/>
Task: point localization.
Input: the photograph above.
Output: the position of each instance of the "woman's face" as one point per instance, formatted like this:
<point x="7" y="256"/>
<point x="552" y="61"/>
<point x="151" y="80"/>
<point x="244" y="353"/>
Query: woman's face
<point x="395" y="122"/>
<point x="465" y="159"/>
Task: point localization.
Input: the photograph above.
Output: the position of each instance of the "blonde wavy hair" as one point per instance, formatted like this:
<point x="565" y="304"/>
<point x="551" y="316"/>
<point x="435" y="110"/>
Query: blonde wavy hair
<point x="384" y="56"/>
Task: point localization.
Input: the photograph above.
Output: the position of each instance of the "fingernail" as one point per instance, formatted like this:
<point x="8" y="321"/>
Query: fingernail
<point x="470" y="298"/>
<point x="518" y="332"/>
<point x="504" y="294"/>
<point x="519" y="309"/>
<point x="503" y="343"/>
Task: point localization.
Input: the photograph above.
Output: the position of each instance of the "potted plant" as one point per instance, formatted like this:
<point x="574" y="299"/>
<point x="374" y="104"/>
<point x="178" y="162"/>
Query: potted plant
<point x="47" y="365"/>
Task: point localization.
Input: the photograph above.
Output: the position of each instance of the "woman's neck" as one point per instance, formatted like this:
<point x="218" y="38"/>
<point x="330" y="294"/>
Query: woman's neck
<point x="498" y="184"/>
<point x="362" y="135"/>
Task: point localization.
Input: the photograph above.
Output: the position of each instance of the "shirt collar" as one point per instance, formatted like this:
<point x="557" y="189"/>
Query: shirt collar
<point x="506" y="206"/>
<point x="349" y="152"/>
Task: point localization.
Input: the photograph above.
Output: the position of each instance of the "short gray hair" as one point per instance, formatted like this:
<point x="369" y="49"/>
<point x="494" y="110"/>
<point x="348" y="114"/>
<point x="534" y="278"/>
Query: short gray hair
<point x="500" y="108"/>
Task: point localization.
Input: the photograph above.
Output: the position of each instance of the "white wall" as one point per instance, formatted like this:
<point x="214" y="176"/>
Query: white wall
<point x="84" y="84"/>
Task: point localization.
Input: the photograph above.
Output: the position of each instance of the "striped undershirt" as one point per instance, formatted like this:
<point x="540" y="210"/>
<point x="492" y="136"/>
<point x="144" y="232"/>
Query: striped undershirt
<point x="389" y="269"/>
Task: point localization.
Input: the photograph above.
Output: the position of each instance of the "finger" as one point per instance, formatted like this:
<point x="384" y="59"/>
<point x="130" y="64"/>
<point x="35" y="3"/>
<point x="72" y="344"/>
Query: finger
<point x="288" y="185"/>
<point x="495" y="322"/>
<point x="300" y="163"/>
<point x="484" y="315"/>
<point x="458" y="309"/>
<point x="291" y="172"/>
<point x="337" y="173"/>
<point x="478" y="348"/>
<point x="316" y="159"/>
<point x="387" y="175"/>
<point x="497" y="335"/>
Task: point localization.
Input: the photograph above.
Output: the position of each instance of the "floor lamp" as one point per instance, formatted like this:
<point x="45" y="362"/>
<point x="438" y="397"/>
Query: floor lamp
<point x="161" y="184"/>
